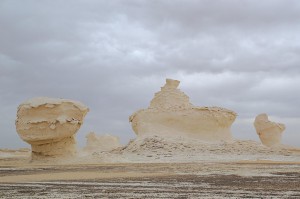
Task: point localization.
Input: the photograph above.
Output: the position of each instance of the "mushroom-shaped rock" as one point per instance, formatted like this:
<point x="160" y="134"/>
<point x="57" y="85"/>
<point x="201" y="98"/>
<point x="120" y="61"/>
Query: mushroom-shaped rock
<point x="171" y="114"/>
<point x="49" y="125"/>
<point x="270" y="133"/>
<point x="101" y="142"/>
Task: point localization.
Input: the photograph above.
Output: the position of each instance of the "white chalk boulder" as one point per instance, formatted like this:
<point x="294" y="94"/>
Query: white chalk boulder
<point x="171" y="114"/>
<point x="270" y="133"/>
<point x="49" y="125"/>
<point x="101" y="142"/>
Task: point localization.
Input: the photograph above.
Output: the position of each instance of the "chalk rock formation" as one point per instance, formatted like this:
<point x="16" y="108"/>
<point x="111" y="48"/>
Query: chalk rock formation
<point x="170" y="114"/>
<point x="49" y="125"/>
<point x="101" y="142"/>
<point x="269" y="132"/>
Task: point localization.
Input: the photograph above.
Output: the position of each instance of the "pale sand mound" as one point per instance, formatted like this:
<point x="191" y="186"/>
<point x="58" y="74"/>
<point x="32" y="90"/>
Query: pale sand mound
<point x="161" y="150"/>
<point x="170" y="114"/>
<point x="158" y="149"/>
<point x="270" y="133"/>
<point x="49" y="125"/>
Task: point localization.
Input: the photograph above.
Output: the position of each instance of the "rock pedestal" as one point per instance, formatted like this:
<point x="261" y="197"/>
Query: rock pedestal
<point x="49" y="125"/>
<point x="170" y="114"/>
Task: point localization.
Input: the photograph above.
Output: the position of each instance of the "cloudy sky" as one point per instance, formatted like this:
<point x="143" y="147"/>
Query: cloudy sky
<point x="114" y="55"/>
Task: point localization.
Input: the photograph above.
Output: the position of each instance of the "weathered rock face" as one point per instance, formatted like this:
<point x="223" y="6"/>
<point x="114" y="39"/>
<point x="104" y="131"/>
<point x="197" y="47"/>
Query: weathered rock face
<point x="49" y="125"/>
<point x="170" y="114"/>
<point x="101" y="142"/>
<point x="270" y="133"/>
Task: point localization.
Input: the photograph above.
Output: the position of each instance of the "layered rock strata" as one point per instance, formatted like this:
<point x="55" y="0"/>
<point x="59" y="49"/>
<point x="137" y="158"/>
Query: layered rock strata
<point x="171" y="114"/>
<point x="49" y="125"/>
<point x="270" y="133"/>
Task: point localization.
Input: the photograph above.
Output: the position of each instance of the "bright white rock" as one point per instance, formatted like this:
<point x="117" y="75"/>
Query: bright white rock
<point x="171" y="114"/>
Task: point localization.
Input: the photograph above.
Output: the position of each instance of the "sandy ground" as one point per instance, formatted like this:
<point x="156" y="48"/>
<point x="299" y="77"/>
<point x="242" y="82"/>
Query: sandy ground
<point x="156" y="168"/>
<point x="245" y="179"/>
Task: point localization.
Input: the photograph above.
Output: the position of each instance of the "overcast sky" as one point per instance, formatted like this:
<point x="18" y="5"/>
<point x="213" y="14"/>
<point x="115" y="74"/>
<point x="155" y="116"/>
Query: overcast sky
<point x="113" y="56"/>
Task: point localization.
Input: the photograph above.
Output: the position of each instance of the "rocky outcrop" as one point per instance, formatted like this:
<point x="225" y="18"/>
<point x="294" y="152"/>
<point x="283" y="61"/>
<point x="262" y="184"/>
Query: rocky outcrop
<point x="101" y="142"/>
<point x="270" y="133"/>
<point x="49" y="125"/>
<point x="170" y="114"/>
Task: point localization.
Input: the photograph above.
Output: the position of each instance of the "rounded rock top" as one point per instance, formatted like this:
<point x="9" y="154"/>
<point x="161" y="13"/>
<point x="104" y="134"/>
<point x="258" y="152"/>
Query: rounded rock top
<point x="49" y="125"/>
<point x="39" y="101"/>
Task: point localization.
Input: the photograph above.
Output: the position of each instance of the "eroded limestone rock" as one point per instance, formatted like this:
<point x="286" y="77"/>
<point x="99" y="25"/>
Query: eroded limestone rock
<point x="270" y="133"/>
<point x="171" y="114"/>
<point x="49" y="125"/>
<point x="101" y="142"/>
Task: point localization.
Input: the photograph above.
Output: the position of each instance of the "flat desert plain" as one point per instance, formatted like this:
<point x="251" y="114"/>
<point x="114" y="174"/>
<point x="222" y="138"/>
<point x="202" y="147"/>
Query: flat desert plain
<point x="241" y="179"/>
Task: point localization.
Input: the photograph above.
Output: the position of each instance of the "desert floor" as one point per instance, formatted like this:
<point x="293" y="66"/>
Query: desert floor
<point x="242" y="179"/>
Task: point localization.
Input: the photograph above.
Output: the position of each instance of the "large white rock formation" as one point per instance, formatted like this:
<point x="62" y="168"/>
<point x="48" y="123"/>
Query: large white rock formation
<point x="270" y="133"/>
<point x="170" y="114"/>
<point x="101" y="142"/>
<point x="49" y="125"/>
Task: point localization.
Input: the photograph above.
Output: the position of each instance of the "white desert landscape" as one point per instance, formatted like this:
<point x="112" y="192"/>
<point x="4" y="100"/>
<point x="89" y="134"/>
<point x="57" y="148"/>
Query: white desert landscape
<point x="184" y="99"/>
<point x="180" y="151"/>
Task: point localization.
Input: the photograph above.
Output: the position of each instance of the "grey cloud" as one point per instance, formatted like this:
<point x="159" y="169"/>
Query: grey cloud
<point x="114" y="55"/>
<point x="196" y="14"/>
